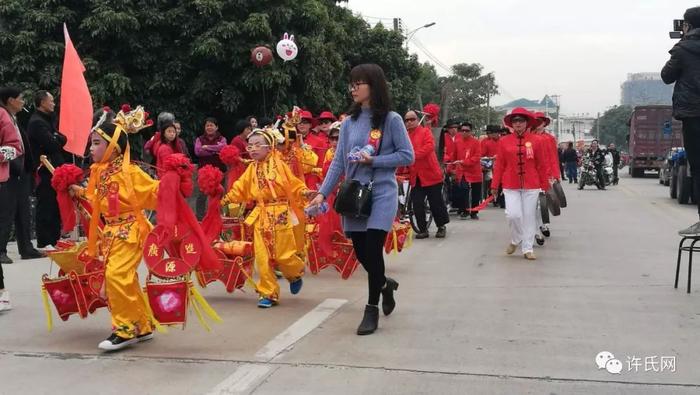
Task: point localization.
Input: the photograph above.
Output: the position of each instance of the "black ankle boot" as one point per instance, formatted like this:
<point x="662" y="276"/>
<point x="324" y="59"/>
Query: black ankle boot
<point x="369" y="321"/>
<point x="388" y="302"/>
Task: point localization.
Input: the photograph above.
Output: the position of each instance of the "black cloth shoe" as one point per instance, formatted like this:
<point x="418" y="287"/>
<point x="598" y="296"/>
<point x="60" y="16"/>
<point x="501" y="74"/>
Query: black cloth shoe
<point x="115" y="342"/>
<point x="369" y="321"/>
<point x="33" y="254"/>
<point x="422" y="235"/>
<point x="4" y="259"/>
<point x="388" y="302"/>
<point x="463" y="215"/>
<point x="441" y="232"/>
<point x="474" y="216"/>
<point x="144" y="337"/>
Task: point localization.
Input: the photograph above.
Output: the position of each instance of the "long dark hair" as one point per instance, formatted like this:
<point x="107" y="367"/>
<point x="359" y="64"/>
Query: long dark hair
<point x="164" y="140"/>
<point x="380" y="102"/>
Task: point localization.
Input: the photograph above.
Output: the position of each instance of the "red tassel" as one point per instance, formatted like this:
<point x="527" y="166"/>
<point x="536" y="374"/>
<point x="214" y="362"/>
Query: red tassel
<point x="209" y="180"/>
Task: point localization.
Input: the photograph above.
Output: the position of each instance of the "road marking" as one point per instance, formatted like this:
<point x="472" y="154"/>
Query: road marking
<point x="299" y="329"/>
<point x="243" y="379"/>
<point x="248" y="376"/>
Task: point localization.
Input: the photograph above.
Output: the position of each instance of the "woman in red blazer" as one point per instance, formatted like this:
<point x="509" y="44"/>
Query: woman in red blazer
<point x="521" y="169"/>
<point x="425" y="178"/>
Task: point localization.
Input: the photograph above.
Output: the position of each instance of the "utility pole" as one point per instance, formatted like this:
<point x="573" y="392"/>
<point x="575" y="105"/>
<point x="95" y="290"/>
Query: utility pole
<point x="597" y="127"/>
<point x="558" y="125"/>
<point x="488" y="106"/>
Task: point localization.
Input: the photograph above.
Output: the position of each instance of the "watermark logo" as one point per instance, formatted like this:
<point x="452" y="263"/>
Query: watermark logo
<point x="606" y="360"/>
<point x="654" y="363"/>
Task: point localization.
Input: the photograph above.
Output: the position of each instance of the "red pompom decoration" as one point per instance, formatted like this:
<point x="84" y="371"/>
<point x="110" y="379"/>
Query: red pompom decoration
<point x="106" y="109"/>
<point x="230" y="155"/>
<point x="66" y="175"/>
<point x="126" y="108"/>
<point x="209" y="180"/>
<point x="63" y="177"/>
<point x="178" y="162"/>
<point x="433" y="111"/>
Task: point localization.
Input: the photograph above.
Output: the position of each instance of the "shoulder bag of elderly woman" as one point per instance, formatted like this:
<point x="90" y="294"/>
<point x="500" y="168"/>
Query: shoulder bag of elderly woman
<point x="354" y="199"/>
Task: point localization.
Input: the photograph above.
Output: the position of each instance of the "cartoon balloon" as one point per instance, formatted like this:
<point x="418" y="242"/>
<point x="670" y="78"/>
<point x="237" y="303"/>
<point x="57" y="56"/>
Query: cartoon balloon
<point x="261" y="56"/>
<point x="286" y="48"/>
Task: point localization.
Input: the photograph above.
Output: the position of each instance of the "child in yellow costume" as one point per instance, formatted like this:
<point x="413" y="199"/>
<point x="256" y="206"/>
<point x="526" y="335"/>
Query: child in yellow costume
<point x="119" y="191"/>
<point x="279" y="197"/>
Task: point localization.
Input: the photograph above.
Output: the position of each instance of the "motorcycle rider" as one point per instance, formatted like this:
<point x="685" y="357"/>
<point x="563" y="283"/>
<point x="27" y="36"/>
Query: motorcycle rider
<point x="615" y="161"/>
<point x="597" y="156"/>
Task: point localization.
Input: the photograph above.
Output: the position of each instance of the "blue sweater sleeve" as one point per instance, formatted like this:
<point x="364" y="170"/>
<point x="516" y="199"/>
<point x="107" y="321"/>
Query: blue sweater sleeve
<point x="337" y="167"/>
<point x="403" y="154"/>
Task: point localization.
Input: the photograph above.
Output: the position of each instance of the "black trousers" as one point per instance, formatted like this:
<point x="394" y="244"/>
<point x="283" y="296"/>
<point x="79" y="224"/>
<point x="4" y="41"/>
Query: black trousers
<point x="369" y="249"/>
<point x="48" y="217"/>
<point x="691" y="143"/>
<point x="14" y="210"/>
<point x="462" y="195"/>
<point x="436" y="202"/>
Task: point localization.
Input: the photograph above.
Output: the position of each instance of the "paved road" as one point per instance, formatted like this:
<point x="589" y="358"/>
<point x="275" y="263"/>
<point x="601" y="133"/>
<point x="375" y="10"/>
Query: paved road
<point x="469" y="320"/>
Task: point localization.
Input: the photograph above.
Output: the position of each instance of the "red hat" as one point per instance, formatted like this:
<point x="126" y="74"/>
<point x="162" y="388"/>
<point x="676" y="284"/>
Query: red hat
<point x="327" y="115"/>
<point x="304" y="114"/>
<point x="541" y="118"/>
<point x="522" y="112"/>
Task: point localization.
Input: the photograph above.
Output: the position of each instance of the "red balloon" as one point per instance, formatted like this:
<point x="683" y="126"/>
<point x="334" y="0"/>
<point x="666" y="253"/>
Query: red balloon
<point x="261" y="56"/>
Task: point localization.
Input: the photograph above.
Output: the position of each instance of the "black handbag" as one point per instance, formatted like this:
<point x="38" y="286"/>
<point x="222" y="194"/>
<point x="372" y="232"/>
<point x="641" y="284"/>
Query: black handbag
<point x="354" y="199"/>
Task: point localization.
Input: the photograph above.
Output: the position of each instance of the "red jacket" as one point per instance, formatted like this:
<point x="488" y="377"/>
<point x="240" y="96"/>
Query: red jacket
<point x="10" y="140"/>
<point x="319" y="144"/>
<point x="467" y="152"/>
<point x="550" y="143"/>
<point x="489" y="147"/>
<point x="425" y="168"/>
<point x="164" y="151"/>
<point x="448" y="147"/>
<point x="521" y="163"/>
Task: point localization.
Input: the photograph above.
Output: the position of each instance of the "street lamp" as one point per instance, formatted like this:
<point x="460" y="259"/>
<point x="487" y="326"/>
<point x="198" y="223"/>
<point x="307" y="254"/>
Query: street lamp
<point x="410" y="34"/>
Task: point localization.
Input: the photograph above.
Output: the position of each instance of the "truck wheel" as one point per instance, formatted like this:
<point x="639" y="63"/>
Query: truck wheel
<point x="673" y="184"/>
<point x="636" y="173"/>
<point x="685" y="186"/>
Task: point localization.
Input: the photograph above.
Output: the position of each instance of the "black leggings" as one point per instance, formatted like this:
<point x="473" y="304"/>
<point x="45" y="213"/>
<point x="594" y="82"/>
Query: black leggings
<point x="691" y="142"/>
<point x="368" y="248"/>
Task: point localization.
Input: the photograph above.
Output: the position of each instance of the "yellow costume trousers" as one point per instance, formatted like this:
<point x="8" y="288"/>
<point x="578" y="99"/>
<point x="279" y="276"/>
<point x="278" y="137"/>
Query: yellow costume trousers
<point x="277" y="246"/>
<point x="130" y="316"/>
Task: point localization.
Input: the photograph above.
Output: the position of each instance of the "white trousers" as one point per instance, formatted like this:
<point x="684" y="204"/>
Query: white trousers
<point x="521" y="213"/>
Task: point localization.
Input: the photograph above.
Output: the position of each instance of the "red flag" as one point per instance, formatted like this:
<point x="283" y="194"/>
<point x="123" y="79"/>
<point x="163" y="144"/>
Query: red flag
<point x="76" y="104"/>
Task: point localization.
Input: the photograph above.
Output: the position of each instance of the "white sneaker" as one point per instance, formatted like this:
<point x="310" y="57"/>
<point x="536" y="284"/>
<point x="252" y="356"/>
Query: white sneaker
<point x="49" y="248"/>
<point x="5" y="303"/>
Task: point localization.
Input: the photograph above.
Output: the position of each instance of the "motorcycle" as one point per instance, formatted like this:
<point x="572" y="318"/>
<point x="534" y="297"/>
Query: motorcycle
<point x="588" y="174"/>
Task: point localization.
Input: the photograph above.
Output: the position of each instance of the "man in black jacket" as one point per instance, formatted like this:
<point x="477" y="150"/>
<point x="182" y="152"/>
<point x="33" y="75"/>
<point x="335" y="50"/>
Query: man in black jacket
<point x="684" y="69"/>
<point x="46" y="140"/>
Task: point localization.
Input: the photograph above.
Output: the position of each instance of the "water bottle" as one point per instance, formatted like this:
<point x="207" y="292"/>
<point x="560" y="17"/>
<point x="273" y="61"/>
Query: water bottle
<point x="356" y="153"/>
<point x="312" y="211"/>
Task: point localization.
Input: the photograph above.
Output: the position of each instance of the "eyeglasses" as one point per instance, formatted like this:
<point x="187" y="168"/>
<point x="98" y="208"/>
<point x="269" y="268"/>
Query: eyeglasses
<point x="410" y="119"/>
<point x="325" y="121"/>
<point x="518" y="119"/>
<point x="305" y="121"/>
<point x="353" y="86"/>
<point x="255" y="147"/>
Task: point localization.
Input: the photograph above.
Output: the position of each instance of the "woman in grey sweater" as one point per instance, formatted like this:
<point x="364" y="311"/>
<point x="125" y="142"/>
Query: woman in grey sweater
<point x="372" y="123"/>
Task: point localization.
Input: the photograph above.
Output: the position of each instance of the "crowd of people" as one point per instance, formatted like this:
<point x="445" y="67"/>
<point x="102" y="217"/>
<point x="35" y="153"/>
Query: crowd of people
<point x="280" y="174"/>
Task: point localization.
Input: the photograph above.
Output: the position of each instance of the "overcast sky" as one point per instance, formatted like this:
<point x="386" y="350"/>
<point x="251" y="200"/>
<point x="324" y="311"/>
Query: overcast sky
<point x="581" y="50"/>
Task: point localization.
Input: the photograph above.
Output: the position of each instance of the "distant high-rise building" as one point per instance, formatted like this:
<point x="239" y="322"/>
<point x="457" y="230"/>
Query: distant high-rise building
<point x="643" y="89"/>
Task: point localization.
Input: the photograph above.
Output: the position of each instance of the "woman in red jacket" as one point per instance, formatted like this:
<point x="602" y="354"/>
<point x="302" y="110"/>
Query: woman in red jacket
<point x="466" y="155"/>
<point x="520" y="169"/>
<point x="425" y="178"/>
<point x="167" y="145"/>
